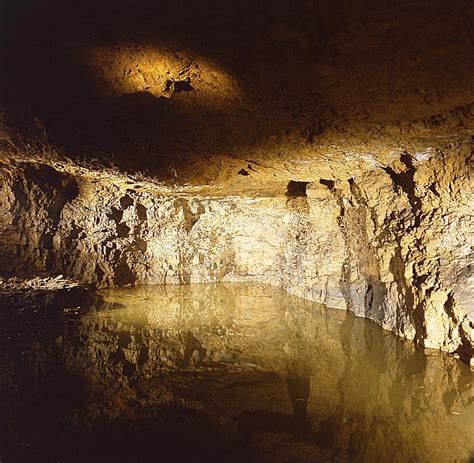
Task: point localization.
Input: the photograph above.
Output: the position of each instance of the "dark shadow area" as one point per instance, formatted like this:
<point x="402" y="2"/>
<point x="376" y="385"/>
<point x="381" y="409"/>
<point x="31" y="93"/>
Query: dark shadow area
<point x="296" y="65"/>
<point x="296" y="189"/>
<point x="406" y="182"/>
<point x="327" y="183"/>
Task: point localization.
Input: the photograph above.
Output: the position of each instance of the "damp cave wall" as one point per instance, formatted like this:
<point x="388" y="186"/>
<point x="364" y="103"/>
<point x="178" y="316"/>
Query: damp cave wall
<point x="389" y="245"/>
<point x="367" y="105"/>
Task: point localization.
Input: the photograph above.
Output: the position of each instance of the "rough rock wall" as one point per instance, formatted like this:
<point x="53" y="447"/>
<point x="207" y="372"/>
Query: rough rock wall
<point x="393" y="244"/>
<point x="115" y="234"/>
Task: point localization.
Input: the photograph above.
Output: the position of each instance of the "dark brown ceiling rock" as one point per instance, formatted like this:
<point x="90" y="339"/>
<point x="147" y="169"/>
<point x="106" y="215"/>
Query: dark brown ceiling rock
<point x="194" y="92"/>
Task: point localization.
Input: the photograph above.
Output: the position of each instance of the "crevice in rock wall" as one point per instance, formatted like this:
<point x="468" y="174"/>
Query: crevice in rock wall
<point x="327" y="183"/>
<point x="360" y="281"/>
<point x="332" y="241"/>
<point x="418" y="316"/>
<point x="397" y="268"/>
<point x="346" y="271"/>
<point x="449" y="306"/>
<point x="370" y="268"/>
<point x="296" y="189"/>
<point x="191" y="215"/>
<point x="141" y="212"/>
<point x="406" y="182"/>
<point x="39" y="195"/>
<point x="413" y="260"/>
<point x="243" y="172"/>
<point x="465" y="349"/>
<point x="123" y="274"/>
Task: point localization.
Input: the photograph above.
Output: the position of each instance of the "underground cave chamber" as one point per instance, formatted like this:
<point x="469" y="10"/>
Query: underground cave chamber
<point x="237" y="231"/>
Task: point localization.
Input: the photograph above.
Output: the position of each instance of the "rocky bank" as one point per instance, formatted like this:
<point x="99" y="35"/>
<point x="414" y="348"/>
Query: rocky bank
<point x="328" y="153"/>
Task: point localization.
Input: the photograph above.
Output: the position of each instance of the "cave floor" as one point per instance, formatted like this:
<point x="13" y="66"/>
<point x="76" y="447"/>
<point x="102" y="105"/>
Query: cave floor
<point x="227" y="372"/>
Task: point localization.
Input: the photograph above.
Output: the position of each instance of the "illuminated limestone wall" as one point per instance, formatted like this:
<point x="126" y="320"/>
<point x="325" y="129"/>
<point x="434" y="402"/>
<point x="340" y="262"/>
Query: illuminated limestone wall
<point x="392" y="244"/>
<point x="115" y="234"/>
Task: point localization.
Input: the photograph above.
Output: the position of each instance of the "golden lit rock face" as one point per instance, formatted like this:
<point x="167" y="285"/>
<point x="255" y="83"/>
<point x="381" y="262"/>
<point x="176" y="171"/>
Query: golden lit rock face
<point x="373" y="248"/>
<point x="161" y="72"/>
<point x="196" y="92"/>
<point x="368" y="105"/>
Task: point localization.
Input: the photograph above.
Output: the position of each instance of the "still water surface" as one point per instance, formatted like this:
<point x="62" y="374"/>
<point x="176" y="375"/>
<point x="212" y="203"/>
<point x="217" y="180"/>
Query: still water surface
<point x="223" y="373"/>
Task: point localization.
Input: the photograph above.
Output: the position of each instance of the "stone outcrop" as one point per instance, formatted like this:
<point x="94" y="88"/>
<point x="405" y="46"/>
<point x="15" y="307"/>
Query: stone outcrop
<point x="329" y="153"/>
<point x="392" y="246"/>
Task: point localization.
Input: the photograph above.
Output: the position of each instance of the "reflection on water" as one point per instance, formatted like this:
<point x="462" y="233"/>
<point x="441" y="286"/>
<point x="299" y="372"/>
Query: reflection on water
<point x="224" y="373"/>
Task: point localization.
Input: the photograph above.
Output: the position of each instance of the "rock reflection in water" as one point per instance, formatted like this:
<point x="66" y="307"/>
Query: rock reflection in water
<point x="228" y="373"/>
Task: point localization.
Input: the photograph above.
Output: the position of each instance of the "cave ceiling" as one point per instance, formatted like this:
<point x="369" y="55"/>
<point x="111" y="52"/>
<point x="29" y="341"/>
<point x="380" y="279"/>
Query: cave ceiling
<point x="241" y="95"/>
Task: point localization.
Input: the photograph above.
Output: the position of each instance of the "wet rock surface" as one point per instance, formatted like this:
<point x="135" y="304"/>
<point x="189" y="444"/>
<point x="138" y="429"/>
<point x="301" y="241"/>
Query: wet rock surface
<point x="226" y="372"/>
<point x="393" y="245"/>
<point x="321" y="147"/>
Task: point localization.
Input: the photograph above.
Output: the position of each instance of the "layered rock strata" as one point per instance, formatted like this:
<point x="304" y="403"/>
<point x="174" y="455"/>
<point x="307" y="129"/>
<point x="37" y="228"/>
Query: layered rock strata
<point x="324" y="147"/>
<point x="392" y="244"/>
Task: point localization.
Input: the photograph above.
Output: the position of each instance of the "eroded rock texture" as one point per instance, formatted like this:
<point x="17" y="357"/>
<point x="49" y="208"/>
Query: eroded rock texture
<point x="390" y="246"/>
<point x="322" y="147"/>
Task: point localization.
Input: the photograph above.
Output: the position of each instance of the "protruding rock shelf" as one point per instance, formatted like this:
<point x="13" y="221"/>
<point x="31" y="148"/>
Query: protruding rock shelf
<point x="392" y="247"/>
<point x="324" y="147"/>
